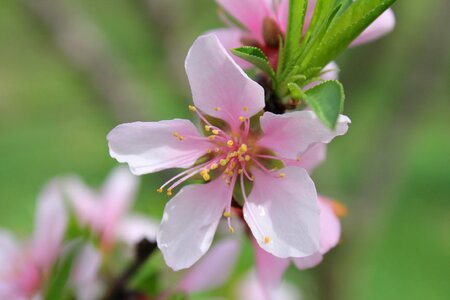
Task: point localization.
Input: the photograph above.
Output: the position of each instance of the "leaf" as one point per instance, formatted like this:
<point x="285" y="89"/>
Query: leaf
<point x="256" y="57"/>
<point x="296" y="18"/>
<point x="295" y="91"/>
<point x="345" y="28"/>
<point x="327" y="101"/>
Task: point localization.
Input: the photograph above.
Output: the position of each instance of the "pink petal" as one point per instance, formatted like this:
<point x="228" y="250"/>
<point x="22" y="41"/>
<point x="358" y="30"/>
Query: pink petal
<point x="249" y="13"/>
<point x="219" y="86"/>
<point x="8" y="251"/>
<point x="291" y="134"/>
<point x="230" y="38"/>
<point x="133" y="228"/>
<point x="283" y="213"/>
<point x="85" y="202"/>
<point x="189" y="222"/>
<point x="330" y="227"/>
<point x="283" y="14"/>
<point x="117" y="196"/>
<point x="309" y="261"/>
<point x="251" y="288"/>
<point x="151" y="146"/>
<point x="213" y="269"/>
<point x="311" y="158"/>
<point x="381" y="26"/>
<point x="50" y="226"/>
<point x="269" y="268"/>
<point x="85" y="274"/>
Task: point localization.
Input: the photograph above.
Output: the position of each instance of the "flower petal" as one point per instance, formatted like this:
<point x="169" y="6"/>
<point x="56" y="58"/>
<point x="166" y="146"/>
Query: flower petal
<point x="220" y="88"/>
<point x="283" y="213"/>
<point x="84" y="276"/>
<point x="249" y="13"/>
<point x="311" y="158"/>
<point x="269" y="268"/>
<point x="330" y="227"/>
<point x="291" y="134"/>
<point x="189" y="222"/>
<point x="308" y="262"/>
<point x="213" y="269"/>
<point x="230" y="38"/>
<point x="133" y="228"/>
<point x="118" y="194"/>
<point x="151" y="146"/>
<point x="50" y="226"/>
<point x="381" y="26"/>
<point x="9" y="249"/>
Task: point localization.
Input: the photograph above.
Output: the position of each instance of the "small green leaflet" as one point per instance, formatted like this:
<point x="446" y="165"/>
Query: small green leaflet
<point x="256" y="57"/>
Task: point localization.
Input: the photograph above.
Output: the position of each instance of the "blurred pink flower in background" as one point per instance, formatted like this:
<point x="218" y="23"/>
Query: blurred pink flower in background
<point x="251" y="288"/>
<point x="24" y="267"/>
<point x="281" y="211"/>
<point x="106" y="212"/>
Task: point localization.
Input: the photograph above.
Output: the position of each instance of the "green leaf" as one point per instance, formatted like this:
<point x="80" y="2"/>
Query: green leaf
<point x="327" y="101"/>
<point x="295" y="91"/>
<point x="60" y="273"/>
<point x="256" y="57"/>
<point x="296" y="18"/>
<point x="343" y="30"/>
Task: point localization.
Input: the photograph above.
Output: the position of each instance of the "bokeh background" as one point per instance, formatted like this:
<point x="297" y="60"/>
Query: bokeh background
<point x="72" y="70"/>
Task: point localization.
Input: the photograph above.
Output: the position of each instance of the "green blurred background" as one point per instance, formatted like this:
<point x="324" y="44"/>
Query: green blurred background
<point x="72" y="70"/>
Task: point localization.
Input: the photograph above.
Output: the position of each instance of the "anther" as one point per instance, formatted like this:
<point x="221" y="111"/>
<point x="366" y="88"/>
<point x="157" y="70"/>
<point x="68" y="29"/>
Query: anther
<point x="247" y="157"/>
<point x="230" y="143"/>
<point x="207" y="127"/>
<point x="192" y="108"/>
<point x="227" y="214"/>
<point x="240" y="171"/>
<point x="231" y="229"/>
<point x="241" y="118"/>
<point x="177" y="135"/>
<point x="214" y="166"/>
<point x="266" y="240"/>
<point x="211" y="137"/>
<point x="243" y="148"/>
<point x="208" y="151"/>
<point x="160" y="190"/>
<point x="169" y="192"/>
<point x="217" y="108"/>
<point x="223" y="162"/>
<point x="282" y="175"/>
<point x="245" y="108"/>
<point x="215" y="131"/>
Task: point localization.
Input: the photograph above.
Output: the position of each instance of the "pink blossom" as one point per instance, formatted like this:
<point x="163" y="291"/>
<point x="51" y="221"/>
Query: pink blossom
<point x="24" y="268"/>
<point x="105" y="212"/>
<point x="262" y="18"/>
<point x="270" y="269"/>
<point x="281" y="210"/>
<point x="251" y="288"/>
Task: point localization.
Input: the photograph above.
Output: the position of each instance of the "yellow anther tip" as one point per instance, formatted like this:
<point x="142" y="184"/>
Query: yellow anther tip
<point x="231" y="230"/>
<point x="245" y="108"/>
<point x="282" y="175"/>
<point x="214" y="166"/>
<point x="160" y="190"/>
<point x="192" y="108"/>
<point x="247" y="157"/>
<point x="230" y="143"/>
<point x="266" y="240"/>
<point x="215" y="131"/>
<point x="227" y="214"/>
<point x="206" y="177"/>
<point x="211" y="137"/>
<point x="169" y="192"/>
<point x="241" y="118"/>
<point x="243" y="148"/>
<point x="217" y="108"/>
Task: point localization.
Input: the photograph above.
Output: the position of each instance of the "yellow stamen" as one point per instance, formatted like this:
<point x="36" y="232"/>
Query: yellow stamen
<point x="241" y="118"/>
<point x="223" y="162"/>
<point x="211" y="137"/>
<point x="215" y="131"/>
<point x="243" y="148"/>
<point x="227" y="214"/>
<point x="245" y="108"/>
<point x="206" y="177"/>
<point x="282" y="175"/>
<point x="207" y="128"/>
<point x="266" y="240"/>
<point x="339" y="209"/>
<point x="192" y="108"/>
<point x="231" y="229"/>
<point x="208" y="151"/>
<point x="160" y="190"/>
<point x="247" y="157"/>
<point x="169" y="192"/>
<point x="230" y="143"/>
<point x="177" y="135"/>
<point x="217" y="108"/>
<point x="240" y="171"/>
<point x="214" y="166"/>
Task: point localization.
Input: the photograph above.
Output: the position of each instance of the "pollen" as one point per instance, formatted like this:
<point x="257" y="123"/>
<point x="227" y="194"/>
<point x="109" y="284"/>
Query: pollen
<point x="227" y="214"/>
<point x="207" y="127"/>
<point x="169" y="192"/>
<point x="241" y="118"/>
<point x="282" y="175"/>
<point x="208" y="151"/>
<point x="214" y="166"/>
<point x="230" y="143"/>
<point x="177" y="135"/>
<point x="245" y="108"/>
<point x="215" y="131"/>
<point x="243" y="148"/>
<point x="266" y="240"/>
<point x="240" y="171"/>
<point x="223" y="162"/>
<point x="160" y="190"/>
<point x="206" y="177"/>
<point x="211" y="137"/>
<point x="247" y="157"/>
<point x="217" y="108"/>
<point x="192" y="108"/>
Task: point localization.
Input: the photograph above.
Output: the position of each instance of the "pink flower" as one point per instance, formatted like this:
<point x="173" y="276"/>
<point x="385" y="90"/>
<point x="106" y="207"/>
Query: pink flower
<point x="106" y="212"/>
<point x="252" y="288"/>
<point x="281" y="209"/>
<point x="270" y="269"/>
<point x="265" y="19"/>
<point x="24" y="268"/>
